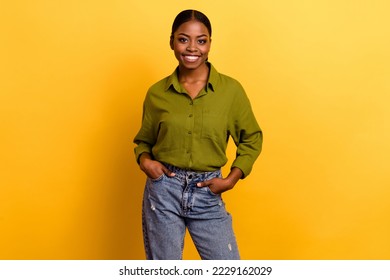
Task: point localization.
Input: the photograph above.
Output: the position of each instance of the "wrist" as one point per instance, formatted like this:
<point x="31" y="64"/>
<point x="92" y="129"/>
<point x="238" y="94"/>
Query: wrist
<point x="143" y="159"/>
<point x="234" y="176"/>
<point x="144" y="156"/>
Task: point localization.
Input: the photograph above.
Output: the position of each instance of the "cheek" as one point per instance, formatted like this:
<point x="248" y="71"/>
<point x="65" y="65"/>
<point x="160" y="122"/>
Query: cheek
<point x="177" y="55"/>
<point x="177" y="51"/>
<point x="178" y="48"/>
<point x="205" y="50"/>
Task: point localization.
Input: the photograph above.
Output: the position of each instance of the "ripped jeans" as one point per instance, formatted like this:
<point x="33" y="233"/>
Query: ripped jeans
<point x="172" y="204"/>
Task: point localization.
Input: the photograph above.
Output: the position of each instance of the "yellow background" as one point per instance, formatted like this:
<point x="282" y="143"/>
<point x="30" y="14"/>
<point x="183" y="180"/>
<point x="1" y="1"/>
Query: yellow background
<point x="73" y="78"/>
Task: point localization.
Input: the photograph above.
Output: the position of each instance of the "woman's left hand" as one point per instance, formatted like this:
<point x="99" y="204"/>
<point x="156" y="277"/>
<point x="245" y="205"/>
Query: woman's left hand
<point x="216" y="185"/>
<point x="220" y="185"/>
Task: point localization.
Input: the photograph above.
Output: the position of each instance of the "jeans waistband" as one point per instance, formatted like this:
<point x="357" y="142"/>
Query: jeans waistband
<point x="184" y="171"/>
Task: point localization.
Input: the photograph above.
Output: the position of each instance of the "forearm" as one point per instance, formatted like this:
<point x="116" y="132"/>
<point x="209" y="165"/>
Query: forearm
<point x="234" y="176"/>
<point x="248" y="149"/>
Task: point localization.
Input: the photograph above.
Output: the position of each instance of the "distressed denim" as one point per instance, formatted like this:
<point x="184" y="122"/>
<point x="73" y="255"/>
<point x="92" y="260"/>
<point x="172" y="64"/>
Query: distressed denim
<point x="172" y="204"/>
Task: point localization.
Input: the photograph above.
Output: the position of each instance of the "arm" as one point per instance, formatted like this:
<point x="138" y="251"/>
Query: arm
<point x="246" y="134"/>
<point x="145" y="140"/>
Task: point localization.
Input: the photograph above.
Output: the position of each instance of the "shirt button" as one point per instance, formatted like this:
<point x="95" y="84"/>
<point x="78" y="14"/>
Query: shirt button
<point x="191" y="102"/>
<point x="189" y="132"/>
<point x="190" y="115"/>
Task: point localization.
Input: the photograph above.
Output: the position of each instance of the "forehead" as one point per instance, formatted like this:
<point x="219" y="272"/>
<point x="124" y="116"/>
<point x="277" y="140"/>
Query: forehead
<point x="193" y="27"/>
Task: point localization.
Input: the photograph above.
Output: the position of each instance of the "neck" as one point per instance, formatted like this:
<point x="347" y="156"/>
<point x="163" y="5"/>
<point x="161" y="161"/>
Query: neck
<point x="193" y="75"/>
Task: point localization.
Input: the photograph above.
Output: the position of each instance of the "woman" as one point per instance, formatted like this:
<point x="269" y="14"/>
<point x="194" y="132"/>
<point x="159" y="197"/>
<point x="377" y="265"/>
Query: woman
<point x="187" y="120"/>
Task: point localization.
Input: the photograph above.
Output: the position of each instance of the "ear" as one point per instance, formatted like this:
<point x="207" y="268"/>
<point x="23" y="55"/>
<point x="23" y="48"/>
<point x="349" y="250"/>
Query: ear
<point x="171" y="42"/>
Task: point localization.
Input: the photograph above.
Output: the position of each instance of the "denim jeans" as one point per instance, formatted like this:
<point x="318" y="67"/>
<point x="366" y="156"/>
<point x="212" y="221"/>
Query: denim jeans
<point x="172" y="204"/>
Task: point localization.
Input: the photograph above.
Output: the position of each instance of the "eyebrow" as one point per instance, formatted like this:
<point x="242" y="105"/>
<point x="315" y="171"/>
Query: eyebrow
<point x="203" y="35"/>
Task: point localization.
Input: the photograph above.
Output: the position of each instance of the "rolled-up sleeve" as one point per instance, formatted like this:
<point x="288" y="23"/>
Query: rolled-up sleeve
<point x="146" y="137"/>
<point x="246" y="133"/>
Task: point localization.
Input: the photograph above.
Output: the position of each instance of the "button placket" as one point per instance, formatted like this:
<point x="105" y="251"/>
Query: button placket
<point x="190" y="126"/>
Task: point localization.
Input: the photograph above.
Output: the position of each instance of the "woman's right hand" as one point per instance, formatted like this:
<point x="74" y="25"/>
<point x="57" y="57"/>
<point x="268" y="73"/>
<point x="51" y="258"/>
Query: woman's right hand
<point x="153" y="168"/>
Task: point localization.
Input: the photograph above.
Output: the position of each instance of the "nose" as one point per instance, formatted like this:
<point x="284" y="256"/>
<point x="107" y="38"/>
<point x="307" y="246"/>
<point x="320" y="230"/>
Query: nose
<point x="191" y="46"/>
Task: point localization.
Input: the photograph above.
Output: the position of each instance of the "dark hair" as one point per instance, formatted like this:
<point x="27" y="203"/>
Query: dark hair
<point x="188" y="15"/>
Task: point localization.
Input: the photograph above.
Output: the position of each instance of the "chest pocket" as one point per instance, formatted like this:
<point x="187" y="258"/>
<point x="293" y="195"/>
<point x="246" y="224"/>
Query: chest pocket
<point x="214" y="125"/>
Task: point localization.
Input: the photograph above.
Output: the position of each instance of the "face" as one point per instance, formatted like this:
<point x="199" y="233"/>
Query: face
<point x="191" y="44"/>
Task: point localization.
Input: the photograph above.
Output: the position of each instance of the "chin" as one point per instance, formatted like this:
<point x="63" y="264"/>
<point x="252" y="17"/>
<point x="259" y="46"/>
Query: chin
<point x="192" y="66"/>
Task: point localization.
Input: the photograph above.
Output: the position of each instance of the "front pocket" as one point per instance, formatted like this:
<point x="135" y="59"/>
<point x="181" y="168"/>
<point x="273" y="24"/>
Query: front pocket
<point x="157" y="188"/>
<point x="158" y="178"/>
<point x="214" y="125"/>
<point x="211" y="192"/>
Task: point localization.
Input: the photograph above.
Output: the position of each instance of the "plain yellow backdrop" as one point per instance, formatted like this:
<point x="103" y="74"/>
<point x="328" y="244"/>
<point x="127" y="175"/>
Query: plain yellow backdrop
<point x="73" y="78"/>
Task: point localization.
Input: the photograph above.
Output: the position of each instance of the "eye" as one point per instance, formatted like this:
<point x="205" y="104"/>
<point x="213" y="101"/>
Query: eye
<point x="202" y="41"/>
<point x="183" y="40"/>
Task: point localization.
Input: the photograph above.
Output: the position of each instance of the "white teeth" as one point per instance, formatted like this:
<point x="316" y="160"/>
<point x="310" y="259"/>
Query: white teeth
<point x="191" y="58"/>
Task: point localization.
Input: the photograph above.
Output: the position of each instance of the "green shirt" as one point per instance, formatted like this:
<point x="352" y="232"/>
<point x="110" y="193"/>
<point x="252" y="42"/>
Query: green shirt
<point x="193" y="134"/>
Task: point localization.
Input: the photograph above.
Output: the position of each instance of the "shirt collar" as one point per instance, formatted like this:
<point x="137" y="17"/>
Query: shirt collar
<point x="173" y="80"/>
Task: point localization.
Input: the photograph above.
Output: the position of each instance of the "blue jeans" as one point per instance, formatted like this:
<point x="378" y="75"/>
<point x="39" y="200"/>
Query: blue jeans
<point x="172" y="204"/>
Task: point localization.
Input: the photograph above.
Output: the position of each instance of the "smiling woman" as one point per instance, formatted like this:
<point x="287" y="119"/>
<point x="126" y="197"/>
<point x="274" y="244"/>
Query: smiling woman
<point x="191" y="42"/>
<point x="73" y="76"/>
<point x="187" y="121"/>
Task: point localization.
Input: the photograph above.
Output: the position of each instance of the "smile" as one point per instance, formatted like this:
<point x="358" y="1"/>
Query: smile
<point x="191" y="58"/>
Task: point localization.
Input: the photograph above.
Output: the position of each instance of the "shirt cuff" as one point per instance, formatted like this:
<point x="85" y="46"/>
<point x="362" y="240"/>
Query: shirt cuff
<point x="142" y="148"/>
<point x="242" y="164"/>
